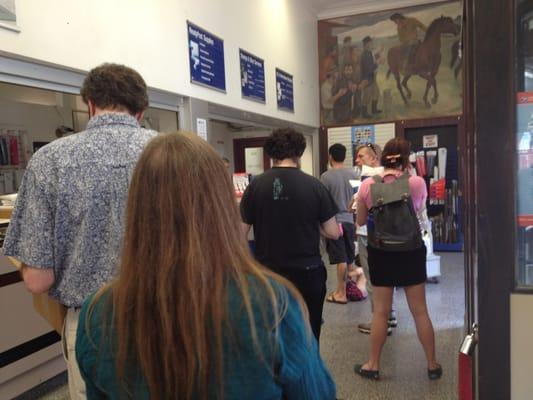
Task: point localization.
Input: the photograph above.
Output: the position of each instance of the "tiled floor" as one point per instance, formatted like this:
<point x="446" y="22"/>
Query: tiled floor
<point x="53" y="389"/>
<point x="403" y="366"/>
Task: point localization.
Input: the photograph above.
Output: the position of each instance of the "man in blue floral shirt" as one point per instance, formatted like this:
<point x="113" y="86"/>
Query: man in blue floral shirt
<point x="67" y="224"/>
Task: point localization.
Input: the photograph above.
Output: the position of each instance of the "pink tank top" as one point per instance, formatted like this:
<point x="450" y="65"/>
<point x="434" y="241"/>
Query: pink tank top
<point x="417" y="187"/>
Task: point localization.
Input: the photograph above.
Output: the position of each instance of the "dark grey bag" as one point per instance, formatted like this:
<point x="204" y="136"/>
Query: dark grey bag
<point x="393" y="225"/>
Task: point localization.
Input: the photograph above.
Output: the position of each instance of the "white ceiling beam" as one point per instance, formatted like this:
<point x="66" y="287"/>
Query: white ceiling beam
<point x="347" y="8"/>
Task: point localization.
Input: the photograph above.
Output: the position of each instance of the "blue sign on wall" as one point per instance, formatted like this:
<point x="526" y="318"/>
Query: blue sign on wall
<point x="284" y="90"/>
<point x="252" y="76"/>
<point x="206" y="58"/>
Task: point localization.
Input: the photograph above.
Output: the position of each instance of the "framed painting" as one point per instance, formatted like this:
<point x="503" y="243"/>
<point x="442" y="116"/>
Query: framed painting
<point x="391" y="65"/>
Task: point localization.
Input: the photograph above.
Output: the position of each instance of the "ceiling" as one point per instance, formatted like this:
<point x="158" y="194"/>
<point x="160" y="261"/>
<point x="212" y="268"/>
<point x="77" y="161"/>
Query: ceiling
<point x="339" y="8"/>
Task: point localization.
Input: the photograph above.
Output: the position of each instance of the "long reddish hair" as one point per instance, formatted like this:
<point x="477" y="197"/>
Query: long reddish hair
<point x="183" y="245"/>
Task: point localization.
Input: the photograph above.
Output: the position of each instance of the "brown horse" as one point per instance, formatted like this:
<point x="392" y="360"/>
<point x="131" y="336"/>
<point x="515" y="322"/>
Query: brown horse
<point x="425" y="61"/>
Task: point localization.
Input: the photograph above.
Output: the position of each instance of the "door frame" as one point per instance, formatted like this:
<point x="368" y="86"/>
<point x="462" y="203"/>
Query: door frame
<point x="490" y="109"/>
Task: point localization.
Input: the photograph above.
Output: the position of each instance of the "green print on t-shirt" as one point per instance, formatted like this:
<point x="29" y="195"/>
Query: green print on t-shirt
<point x="277" y="188"/>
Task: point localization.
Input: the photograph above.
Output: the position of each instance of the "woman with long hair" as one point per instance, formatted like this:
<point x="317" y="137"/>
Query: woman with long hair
<point x="389" y="269"/>
<point x="191" y="315"/>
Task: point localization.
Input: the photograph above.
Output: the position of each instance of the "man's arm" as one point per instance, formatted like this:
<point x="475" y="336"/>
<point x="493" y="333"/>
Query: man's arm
<point x="330" y="229"/>
<point x="339" y="94"/>
<point x="33" y="213"/>
<point x="37" y="280"/>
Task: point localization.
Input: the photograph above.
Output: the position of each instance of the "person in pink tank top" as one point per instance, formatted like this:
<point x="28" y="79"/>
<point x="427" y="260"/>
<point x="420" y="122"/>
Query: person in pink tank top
<point x="417" y="187"/>
<point x="389" y="269"/>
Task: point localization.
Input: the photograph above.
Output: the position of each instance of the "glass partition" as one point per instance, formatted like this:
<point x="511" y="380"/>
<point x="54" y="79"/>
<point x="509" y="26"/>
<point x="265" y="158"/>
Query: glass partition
<point x="524" y="142"/>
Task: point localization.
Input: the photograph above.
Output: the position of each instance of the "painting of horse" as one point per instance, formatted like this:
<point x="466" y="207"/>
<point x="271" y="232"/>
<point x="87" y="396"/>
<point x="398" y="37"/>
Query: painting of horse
<point x="425" y="60"/>
<point x="391" y="65"/>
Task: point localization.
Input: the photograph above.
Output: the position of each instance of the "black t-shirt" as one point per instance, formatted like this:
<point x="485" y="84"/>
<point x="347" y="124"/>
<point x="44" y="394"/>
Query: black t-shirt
<point x="286" y="207"/>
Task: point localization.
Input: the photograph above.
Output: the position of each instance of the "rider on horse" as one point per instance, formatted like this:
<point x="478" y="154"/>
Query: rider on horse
<point x="408" y="34"/>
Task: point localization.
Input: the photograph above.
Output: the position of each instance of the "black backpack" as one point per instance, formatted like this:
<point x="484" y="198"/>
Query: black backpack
<point x="394" y="225"/>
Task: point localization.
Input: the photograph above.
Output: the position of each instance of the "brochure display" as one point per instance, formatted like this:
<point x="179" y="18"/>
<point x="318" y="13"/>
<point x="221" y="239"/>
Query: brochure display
<point x="284" y="90"/>
<point x="206" y="58"/>
<point x="252" y="76"/>
<point x="362" y="134"/>
<point x="240" y="182"/>
<point x="435" y="158"/>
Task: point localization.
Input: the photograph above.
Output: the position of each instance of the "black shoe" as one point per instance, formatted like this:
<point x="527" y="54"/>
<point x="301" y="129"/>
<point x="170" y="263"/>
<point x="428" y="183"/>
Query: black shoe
<point x="366" y="373"/>
<point x="393" y="322"/>
<point x="435" y="374"/>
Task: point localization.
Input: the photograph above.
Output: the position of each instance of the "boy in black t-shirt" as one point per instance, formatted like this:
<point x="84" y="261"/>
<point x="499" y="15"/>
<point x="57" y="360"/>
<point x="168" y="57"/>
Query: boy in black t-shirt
<point x="288" y="210"/>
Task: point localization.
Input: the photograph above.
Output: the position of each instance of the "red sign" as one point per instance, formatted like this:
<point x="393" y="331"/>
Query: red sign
<point x="525" y="220"/>
<point x="524" y="97"/>
<point x="437" y="190"/>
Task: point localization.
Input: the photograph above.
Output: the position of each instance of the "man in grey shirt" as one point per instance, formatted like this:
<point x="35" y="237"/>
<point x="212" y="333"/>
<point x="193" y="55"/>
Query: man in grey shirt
<point x="67" y="225"/>
<point x="340" y="251"/>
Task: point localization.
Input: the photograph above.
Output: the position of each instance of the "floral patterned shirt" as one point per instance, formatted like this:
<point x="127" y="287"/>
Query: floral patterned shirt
<point x="70" y="206"/>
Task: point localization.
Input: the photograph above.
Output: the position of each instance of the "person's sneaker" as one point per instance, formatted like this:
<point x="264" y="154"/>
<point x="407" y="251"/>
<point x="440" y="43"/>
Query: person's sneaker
<point x="393" y="322"/>
<point x="366" y="328"/>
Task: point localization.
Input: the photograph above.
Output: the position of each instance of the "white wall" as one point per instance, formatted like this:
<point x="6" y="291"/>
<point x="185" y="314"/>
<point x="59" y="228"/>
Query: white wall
<point x="161" y="120"/>
<point x="48" y="110"/>
<point x="151" y="37"/>
<point x="221" y="138"/>
<point x="521" y="346"/>
<point x="40" y="127"/>
<point x="42" y="124"/>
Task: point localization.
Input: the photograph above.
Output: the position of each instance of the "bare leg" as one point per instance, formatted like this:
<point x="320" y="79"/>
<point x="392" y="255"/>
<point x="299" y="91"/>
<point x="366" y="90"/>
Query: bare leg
<point x="416" y="298"/>
<point x="361" y="281"/>
<point x="382" y="305"/>
<point x="340" y="293"/>
<point x="363" y="256"/>
<point x="358" y="276"/>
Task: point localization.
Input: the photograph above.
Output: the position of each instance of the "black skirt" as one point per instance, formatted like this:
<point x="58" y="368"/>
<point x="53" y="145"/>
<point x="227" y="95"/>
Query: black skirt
<point x="397" y="268"/>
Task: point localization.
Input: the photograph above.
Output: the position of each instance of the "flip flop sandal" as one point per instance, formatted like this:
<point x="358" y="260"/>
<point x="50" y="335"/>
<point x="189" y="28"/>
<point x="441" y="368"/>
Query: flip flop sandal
<point x="331" y="299"/>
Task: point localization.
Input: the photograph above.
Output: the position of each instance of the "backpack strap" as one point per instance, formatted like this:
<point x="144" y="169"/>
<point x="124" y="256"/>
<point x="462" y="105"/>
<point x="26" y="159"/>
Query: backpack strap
<point x="397" y="190"/>
<point x="405" y="176"/>
<point x="377" y="178"/>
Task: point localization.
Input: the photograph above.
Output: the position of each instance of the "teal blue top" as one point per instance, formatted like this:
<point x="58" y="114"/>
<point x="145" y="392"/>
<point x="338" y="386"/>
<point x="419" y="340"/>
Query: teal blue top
<point x="299" y="373"/>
